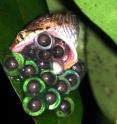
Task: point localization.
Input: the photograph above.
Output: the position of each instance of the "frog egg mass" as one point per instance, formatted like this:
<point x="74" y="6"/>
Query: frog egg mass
<point x="44" y="58"/>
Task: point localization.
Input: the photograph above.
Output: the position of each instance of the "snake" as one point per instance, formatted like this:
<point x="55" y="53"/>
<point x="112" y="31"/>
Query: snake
<point x="44" y="58"/>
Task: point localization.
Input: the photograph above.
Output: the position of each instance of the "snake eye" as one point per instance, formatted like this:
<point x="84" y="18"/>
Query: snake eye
<point x="33" y="106"/>
<point x="13" y="63"/>
<point x="44" y="41"/>
<point x="52" y="98"/>
<point x="58" y="51"/>
<point x="66" y="107"/>
<point x="21" y="36"/>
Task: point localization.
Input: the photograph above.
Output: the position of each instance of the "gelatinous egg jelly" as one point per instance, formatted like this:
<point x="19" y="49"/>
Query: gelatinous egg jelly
<point x="44" y="59"/>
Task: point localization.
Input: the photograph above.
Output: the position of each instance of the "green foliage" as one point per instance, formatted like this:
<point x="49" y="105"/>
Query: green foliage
<point x="101" y="56"/>
<point x="102" y="67"/>
<point x="14" y="15"/>
<point x="55" y="5"/>
<point x="103" y="13"/>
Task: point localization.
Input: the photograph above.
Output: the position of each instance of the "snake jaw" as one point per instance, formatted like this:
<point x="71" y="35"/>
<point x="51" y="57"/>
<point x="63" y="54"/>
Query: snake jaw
<point x="62" y="26"/>
<point x="20" y="43"/>
<point x="70" y="42"/>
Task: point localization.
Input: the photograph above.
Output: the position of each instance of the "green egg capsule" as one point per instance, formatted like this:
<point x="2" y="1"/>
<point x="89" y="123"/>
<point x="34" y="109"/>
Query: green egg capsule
<point x="66" y="107"/>
<point x="13" y="63"/>
<point x="30" y="69"/>
<point x="33" y="106"/>
<point x="73" y="78"/>
<point x="52" y="98"/>
<point x="63" y="85"/>
<point x="34" y="86"/>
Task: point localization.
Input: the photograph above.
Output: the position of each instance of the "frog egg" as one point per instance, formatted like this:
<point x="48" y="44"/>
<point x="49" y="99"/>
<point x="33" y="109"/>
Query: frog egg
<point x="79" y="67"/>
<point x="44" y="55"/>
<point x="48" y="77"/>
<point x="13" y="63"/>
<point x="66" y="107"/>
<point x="33" y="106"/>
<point x="73" y="78"/>
<point x="29" y="52"/>
<point x="63" y="85"/>
<point x="58" y="52"/>
<point x="44" y="41"/>
<point x="33" y="86"/>
<point x="44" y="64"/>
<point x="52" y="98"/>
<point x="30" y="69"/>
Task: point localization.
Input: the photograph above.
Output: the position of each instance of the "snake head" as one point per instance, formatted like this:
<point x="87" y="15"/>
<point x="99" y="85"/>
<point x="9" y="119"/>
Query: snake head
<point x="61" y="29"/>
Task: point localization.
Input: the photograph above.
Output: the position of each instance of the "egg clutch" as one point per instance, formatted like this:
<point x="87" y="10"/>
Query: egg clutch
<point x="44" y="58"/>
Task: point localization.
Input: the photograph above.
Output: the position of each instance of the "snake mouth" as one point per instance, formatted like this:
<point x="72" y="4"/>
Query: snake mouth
<point x="46" y="47"/>
<point x="64" y="53"/>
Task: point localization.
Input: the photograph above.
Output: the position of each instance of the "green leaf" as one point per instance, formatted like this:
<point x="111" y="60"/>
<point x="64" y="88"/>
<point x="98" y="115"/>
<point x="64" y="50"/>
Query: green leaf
<point x="51" y="117"/>
<point x="103" y="13"/>
<point x="14" y="16"/>
<point x="102" y="66"/>
<point x="55" y="6"/>
<point x="75" y="118"/>
<point x="10" y="23"/>
<point x="81" y="42"/>
<point x="30" y="9"/>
